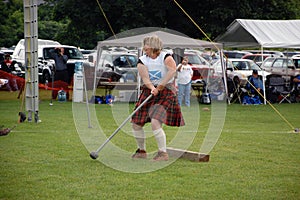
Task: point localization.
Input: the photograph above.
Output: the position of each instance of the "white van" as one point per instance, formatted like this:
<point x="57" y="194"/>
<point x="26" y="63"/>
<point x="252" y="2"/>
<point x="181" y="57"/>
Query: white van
<point x="19" y="52"/>
<point x="45" y="62"/>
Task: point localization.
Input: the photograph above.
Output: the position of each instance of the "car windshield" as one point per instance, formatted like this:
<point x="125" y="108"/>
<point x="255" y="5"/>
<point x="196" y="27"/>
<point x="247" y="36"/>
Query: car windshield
<point x="125" y="61"/>
<point x="194" y="59"/>
<point x="297" y="63"/>
<point x="254" y="66"/>
<point x="87" y="51"/>
<point x="256" y="58"/>
<point x="245" y="65"/>
<point x="268" y="62"/>
<point x="72" y="53"/>
<point x="218" y="68"/>
<point x="290" y="63"/>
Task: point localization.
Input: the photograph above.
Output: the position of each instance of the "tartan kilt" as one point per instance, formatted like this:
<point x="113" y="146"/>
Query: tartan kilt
<point x="163" y="107"/>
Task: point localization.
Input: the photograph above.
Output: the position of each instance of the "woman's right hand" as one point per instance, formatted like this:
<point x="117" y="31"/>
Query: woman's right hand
<point x="154" y="91"/>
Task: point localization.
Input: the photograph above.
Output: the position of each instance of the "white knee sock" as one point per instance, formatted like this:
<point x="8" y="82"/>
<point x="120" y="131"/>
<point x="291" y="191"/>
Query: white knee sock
<point x="160" y="137"/>
<point x="140" y="138"/>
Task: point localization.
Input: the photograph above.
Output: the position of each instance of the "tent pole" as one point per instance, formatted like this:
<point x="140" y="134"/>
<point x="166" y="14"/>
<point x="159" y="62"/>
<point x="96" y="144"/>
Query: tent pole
<point x="140" y="53"/>
<point x="263" y="75"/>
<point x="99" y="52"/>
<point x="224" y="74"/>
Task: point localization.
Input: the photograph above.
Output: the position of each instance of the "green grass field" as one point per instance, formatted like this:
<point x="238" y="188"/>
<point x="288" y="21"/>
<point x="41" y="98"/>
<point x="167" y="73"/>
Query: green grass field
<point x="256" y="157"/>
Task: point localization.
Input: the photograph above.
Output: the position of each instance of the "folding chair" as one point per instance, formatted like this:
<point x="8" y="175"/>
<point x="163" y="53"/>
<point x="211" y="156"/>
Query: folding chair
<point x="278" y="86"/>
<point x="285" y="95"/>
<point x="234" y="90"/>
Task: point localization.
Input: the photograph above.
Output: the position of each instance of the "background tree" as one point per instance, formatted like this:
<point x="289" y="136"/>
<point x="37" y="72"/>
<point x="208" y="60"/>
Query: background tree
<point x="81" y="23"/>
<point x="11" y="27"/>
<point x="48" y="27"/>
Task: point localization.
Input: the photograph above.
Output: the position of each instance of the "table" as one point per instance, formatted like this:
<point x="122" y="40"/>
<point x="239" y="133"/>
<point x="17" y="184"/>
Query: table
<point x="109" y="86"/>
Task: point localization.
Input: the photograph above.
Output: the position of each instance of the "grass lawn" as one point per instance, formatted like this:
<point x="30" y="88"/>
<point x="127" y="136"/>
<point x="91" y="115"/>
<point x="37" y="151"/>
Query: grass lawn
<point x="256" y="157"/>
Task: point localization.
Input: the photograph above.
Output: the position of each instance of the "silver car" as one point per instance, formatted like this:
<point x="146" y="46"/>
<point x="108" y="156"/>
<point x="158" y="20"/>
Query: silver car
<point x="280" y="66"/>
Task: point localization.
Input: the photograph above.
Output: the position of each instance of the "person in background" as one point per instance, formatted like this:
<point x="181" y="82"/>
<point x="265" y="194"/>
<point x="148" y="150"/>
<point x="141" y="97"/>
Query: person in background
<point x="3" y="82"/>
<point x="157" y="70"/>
<point x="296" y="80"/>
<point x="61" y="70"/>
<point x="255" y="85"/>
<point x="184" y="77"/>
<point x="256" y="82"/>
<point x="7" y="65"/>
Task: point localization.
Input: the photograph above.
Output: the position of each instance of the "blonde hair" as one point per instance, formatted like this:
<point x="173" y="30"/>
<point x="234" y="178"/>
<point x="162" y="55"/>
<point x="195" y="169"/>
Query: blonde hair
<point x="154" y="43"/>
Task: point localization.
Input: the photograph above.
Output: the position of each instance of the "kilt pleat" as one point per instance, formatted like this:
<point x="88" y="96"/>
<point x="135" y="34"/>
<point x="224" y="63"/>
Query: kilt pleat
<point x="163" y="107"/>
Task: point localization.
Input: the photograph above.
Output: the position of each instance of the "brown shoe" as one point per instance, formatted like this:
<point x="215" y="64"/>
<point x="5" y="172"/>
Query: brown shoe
<point x="139" y="154"/>
<point x="161" y="156"/>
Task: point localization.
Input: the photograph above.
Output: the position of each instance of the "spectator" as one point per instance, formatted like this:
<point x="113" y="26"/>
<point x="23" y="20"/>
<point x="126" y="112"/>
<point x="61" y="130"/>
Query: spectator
<point x="61" y="70"/>
<point x="7" y="65"/>
<point x="3" y="82"/>
<point x="255" y="86"/>
<point x="296" y="80"/>
<point x="157" y="70"/>
<point x="184" y="76"/>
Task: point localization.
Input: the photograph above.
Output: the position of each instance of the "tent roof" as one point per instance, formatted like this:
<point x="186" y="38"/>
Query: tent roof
<point x="170" y="40"/>
<point x="266" y="33"/>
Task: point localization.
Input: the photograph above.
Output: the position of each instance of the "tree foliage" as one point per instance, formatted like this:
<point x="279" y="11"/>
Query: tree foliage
<point x="82" y="23"/>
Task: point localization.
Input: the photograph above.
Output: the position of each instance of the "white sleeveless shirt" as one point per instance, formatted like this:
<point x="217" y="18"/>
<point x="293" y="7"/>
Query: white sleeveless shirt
<point x="156" y="68"/>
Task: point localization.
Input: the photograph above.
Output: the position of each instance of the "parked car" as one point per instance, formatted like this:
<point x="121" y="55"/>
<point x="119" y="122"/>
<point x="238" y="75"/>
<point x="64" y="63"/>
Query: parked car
<point x="274" y="53"/>
<point x="280" y="66"/>
<point x="19" y="56"/>
<point x="200" y="66"/>
<point x="257" y="58"/>
<point x="210" y="57"/>
<point x="87" y="52"/>
<point x="7" y="51"/>
<point x="117" y="66"/>
<point x="46" y="63"/>
<point x="235" y="53"/>
<point x="239" y="69"/>
<point x="296" y="60"/>
<point x="243" y="68"/>
<point x="290" y="54"/>
<point x="19" y="51"/>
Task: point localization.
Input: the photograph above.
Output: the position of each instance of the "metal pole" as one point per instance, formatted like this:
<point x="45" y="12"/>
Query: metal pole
<point x="94" y="155"/>
<point x="86" y="97"/>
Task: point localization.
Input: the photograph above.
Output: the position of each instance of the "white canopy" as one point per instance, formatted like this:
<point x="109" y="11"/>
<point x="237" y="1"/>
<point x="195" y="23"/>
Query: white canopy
<point x="264" y="33"/>
<point x="170" y="39"/>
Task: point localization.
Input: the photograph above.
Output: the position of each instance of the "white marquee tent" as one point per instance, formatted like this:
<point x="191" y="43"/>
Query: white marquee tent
<point x="262" y="33"/>
<point x="170" y="39"/>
